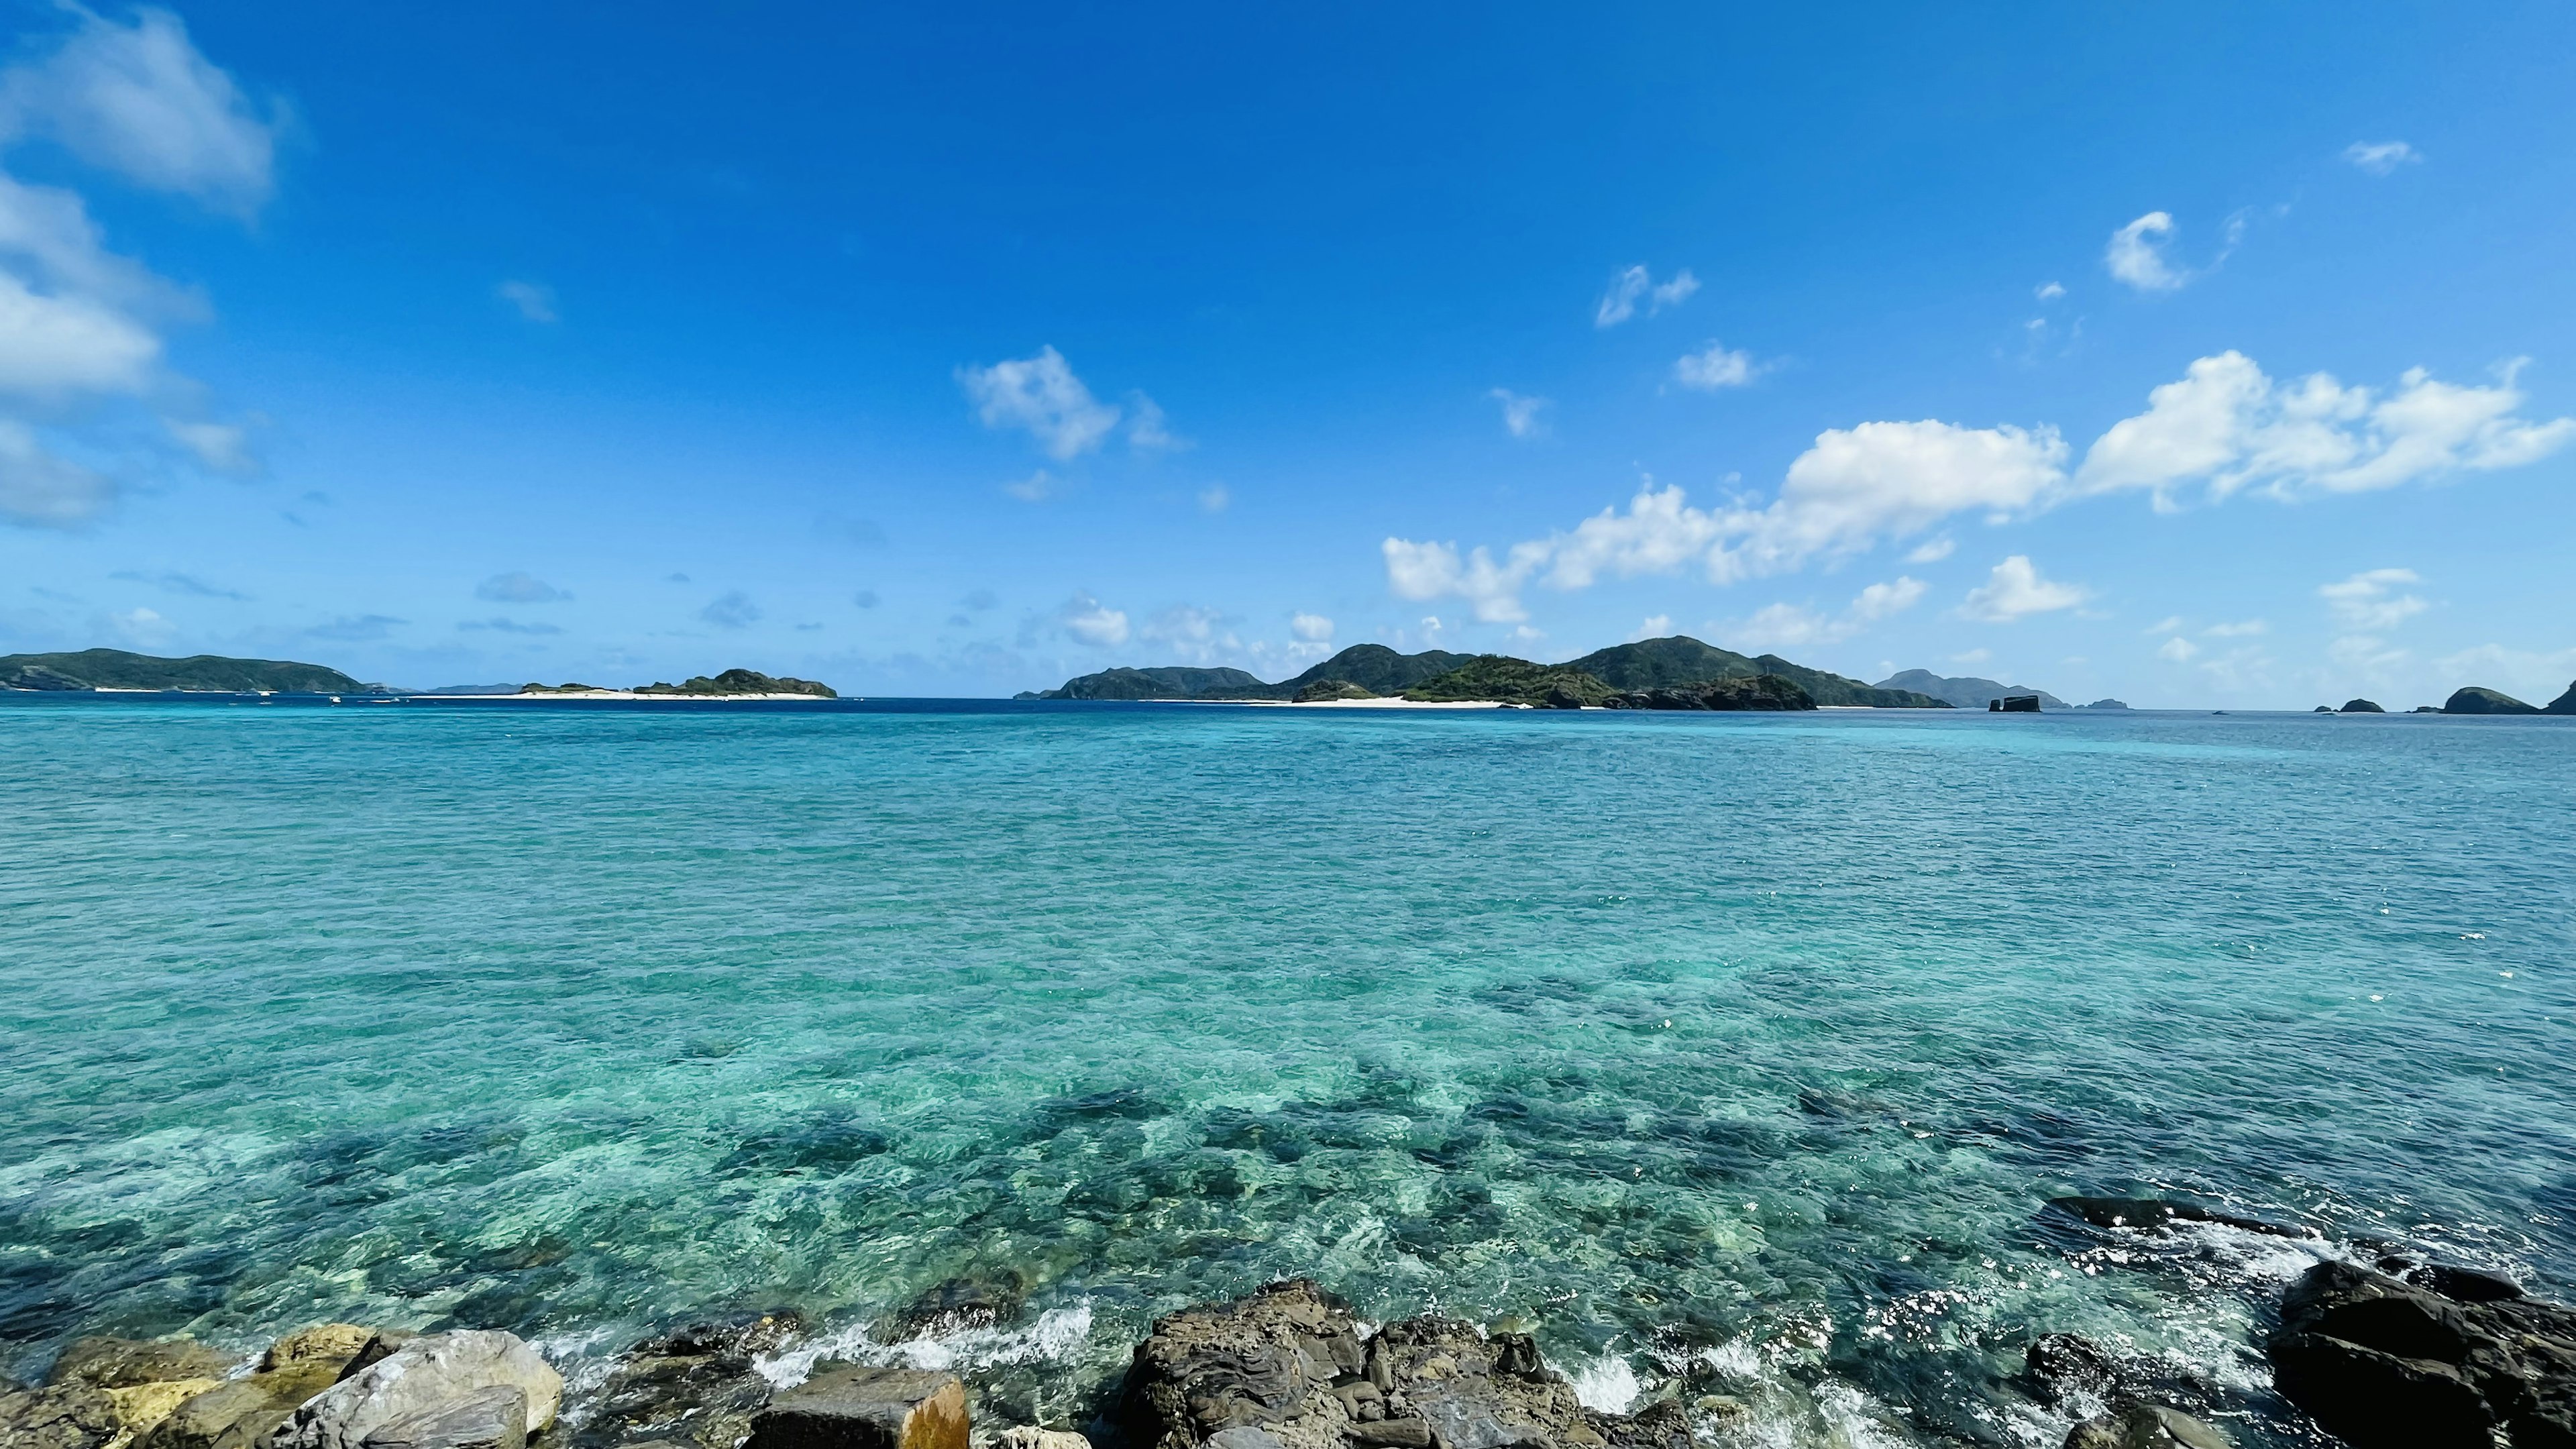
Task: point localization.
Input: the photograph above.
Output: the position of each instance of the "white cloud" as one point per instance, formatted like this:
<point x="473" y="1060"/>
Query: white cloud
<point x="1890" y="480"/>
<point x="2136" y="254"/>
<point x="1653" y="626"/>
<point x="1041" y="394"/>
<point x="221" y="447"/>
<point x="1933" y="550"/>
<point x="1151" y="432"/>
<point x="1787" y="626"/>
<point x="535" y="300"/>
<point x="140" y="100"/>
<point x="1311" y="628"/>
<point x="2049" y="291"/>
<point x="142" y="628"/>
<point x="1191" y="634"/>
<point x="1521" y="414"/>
<point x="41" y="490"/>
<point x="1435" y="570"/>
<point x="518" y="588"/>
<point x="2015" y="590"/>
<point x="2226" y="424"/>
<point x="1619" y="303"/>
<point x="733" y="611"/>
<point x="2178" y="650"/>
<point x="1714" y="367"/>
<point x="2166" y="625"/>
<point x="2366" y="656"/>
<point x="2381" y="157"/>
<point x="1214" y="499"/>
<point x="1035" y="488"/>
<point x="2241" y="630"/>
<point x="70" y="344"/>
<point x="1092" y="621"/>
<point x="2373" y="601"/>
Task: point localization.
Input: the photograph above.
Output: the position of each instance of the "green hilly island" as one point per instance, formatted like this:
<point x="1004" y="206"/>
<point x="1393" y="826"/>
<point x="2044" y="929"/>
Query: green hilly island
<point x="116" y="669"/>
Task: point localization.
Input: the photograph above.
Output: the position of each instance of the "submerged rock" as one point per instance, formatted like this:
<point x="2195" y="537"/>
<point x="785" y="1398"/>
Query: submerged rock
<point x="116" y="1363"/>
<point x="2152" y="1212"/>
<point x="2383" y="1362"/>
<point x="2061" y="1364"/>
<point x="1286" y="1368"/>
<point x="694" y="1386"/>
<point x="424" y="1375"/>
<point x="959" y="1304"/>
<point x="2145" y="1426"/>
<point x="852" y="1406"/>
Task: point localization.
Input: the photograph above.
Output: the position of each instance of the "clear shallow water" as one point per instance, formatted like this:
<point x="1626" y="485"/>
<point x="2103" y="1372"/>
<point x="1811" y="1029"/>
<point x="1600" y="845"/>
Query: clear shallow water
<point x="1741" y="1049"/>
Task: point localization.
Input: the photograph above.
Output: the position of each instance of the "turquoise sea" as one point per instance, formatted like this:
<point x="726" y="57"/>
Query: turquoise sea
<point x="1737" y="1054"/>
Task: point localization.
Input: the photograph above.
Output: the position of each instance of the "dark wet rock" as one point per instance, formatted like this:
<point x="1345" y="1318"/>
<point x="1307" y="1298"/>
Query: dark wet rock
<point x="72" y="1415"/>
<point x="2150" y="1212"/>
<point x="693" y="1386"/>
<point x="959" y="1304"/>
<point x="2381" y="1361"/>
<point x="117" y="1363"/>
<point x="2059" y="1364"/>
<point x="492" y="1418"/>
<point x="2145" y="1426"/>
<point x="2452" y="1281"/>
<point x="423" y="1375"/>
<point x="1288" y="1362"/>
<point x="852" y="1406"/>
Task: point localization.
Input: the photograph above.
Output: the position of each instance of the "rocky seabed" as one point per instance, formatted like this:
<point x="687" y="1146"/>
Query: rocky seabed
<point x="2398" y="1355"/>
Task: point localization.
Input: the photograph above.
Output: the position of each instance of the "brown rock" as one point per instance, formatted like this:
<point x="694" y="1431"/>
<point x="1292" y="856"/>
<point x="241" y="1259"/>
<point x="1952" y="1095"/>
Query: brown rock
<point x="239" y="1414"/>
<point x="119" y="1363"/>
<point x="1406" y="1433"/>
<point x="74" y="1415"/>
<point x="307" y="1350"/>
<point x="143" y="1406"/>
<point x="851" y="1406"/>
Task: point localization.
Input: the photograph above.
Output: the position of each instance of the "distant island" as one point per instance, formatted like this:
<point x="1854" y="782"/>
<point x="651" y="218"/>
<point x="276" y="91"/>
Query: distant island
<point x="1668" y="673"/>
<point x="2476" y="700"/>
<point x="1969" y="692"/>
<point x="732" y="684"/>
<point x="114" y="669"/>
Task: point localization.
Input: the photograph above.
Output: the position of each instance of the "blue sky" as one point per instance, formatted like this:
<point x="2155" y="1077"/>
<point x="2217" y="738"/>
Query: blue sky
<point x="2194" y="354"/>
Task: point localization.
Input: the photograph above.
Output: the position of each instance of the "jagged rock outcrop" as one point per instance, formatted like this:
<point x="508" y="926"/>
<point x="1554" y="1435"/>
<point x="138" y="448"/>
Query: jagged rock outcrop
<point x="423" y="1376"/>
<point x="2477" y="700"/>
<point x="696" y="1386"/>
<point x="2385" y="1363"/>
<point x="1286" y="1368"/>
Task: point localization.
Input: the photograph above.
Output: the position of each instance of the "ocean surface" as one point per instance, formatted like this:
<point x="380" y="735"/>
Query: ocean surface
<point x="1732" y="1054"/>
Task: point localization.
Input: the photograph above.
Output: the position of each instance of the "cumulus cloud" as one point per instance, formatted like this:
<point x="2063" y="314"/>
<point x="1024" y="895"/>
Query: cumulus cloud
<point x="2224" y="424"/>
<point x="2136" y="254"/>
<point x="140" y="100"/>
<point x="2177" y="650"/>
<point x="1041" y="395"/>
<point x="2373" y="600"/>
<point x="143" y="628"/>
<point x="734" y="610"/>
<point x="1636" y="284"/>
<point x="2381" y="157"/>
<point x="535" y="300"/>
<point x="1653" y="626"/>
<point x="1713" y="368"/>
<point x="518" y="588"/>
<point x="40" y="490"/>
<point x="1311" y="628"/>
<point x="1092" y="621"/>
<point x="2228" y="426"/>
<point x="2014" y="590"/>
<point x="1521" y="414"/>
<point x="1789" y="626"/>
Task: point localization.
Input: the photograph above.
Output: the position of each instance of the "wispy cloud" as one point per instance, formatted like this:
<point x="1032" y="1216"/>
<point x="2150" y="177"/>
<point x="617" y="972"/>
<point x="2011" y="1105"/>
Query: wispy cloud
<point x="508" y="626"/>
<point x="1634" y="285"/>
<point x="1789" y="626"/>
<point x="535" y="300"/>
<point x="2381" y="157"/>
<point x="2373" y="600"/>
<point x="733" y="610"/>
<point x="179" y="583"/>
<point x="518" y="588"/>
<point x="1041" y="395"/>
<point x="1521" y="415"/>
<point x="2136" y="254"/>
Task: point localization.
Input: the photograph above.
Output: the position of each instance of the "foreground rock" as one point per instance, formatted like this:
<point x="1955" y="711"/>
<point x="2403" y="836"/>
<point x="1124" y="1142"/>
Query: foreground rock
<point x="853" y="1406"/>
<point x="693" y="1387"/>
<point x="243" y="1413"/>
<point x="2145" y="1426"/>
<point x="421" y="1380"/>
<point x="1285" y="1368"/>
<point x="2390" y="1364"/>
